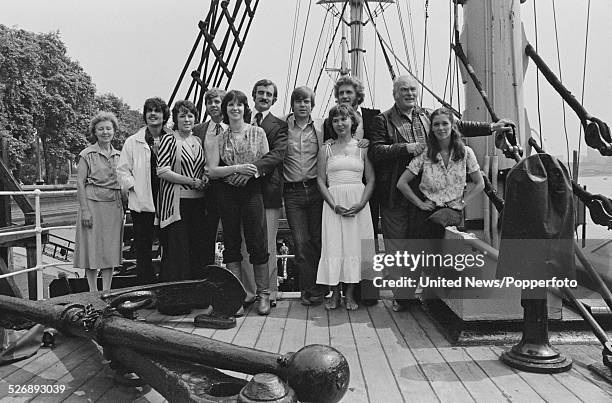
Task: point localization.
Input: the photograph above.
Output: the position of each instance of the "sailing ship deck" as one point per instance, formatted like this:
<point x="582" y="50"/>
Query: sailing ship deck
<point x="394" y="357"/>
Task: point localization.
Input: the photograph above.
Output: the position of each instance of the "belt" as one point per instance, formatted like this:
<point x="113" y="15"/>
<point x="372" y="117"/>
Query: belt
<point x="300" y="184"/>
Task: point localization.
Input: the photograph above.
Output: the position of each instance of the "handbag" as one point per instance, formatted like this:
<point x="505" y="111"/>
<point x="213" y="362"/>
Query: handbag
<point x="446" y="217"/>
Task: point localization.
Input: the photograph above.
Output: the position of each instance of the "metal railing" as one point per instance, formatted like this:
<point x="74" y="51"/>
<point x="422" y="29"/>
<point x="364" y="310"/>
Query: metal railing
<point x="38" y="231"/>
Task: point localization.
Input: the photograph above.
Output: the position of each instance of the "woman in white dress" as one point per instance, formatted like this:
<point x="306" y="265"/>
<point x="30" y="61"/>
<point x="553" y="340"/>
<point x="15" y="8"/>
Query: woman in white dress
<point x="346" y="213"/>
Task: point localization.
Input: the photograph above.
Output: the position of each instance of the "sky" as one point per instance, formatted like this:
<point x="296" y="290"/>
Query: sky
<point x="136" y="49"/>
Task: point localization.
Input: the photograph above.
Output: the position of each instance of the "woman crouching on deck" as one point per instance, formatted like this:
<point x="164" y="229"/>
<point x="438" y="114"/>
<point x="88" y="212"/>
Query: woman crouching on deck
<point x="346" y="215"/>
<point x="444" y="165"/>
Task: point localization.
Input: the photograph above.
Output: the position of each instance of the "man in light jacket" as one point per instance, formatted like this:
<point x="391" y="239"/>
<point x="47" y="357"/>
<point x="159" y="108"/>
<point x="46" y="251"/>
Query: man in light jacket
<point x="137" y="175"/>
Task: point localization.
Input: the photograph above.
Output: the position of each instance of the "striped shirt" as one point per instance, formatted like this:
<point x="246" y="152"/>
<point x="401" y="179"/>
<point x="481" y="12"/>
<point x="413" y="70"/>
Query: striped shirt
<point x="185" y="157"/>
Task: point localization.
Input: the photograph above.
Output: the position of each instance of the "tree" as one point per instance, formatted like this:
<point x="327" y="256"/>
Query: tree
<point x="42" y="91"/>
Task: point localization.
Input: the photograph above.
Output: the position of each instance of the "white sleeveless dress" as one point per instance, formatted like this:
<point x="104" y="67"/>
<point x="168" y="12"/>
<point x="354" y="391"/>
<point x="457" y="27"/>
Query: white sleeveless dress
<point x="344" y="258"/>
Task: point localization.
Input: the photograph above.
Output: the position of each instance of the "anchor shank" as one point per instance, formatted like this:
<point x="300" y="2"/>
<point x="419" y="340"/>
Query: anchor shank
<point x="157" y="340"/>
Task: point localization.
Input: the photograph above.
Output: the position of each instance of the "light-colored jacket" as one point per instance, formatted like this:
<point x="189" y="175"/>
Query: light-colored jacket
<point x="134" y="172"/>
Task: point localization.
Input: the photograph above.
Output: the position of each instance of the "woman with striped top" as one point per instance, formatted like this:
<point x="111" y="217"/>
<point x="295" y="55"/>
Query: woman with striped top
<point x="180" y="167"/>
<point x="242" y="204"/>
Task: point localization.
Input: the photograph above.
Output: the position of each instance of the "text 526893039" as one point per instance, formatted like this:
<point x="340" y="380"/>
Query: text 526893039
<point x="36" y="389"/>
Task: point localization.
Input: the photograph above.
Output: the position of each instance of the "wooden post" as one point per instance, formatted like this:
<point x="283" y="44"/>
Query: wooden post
<point x="492" y="37"/>
<point x="31" y="262"/>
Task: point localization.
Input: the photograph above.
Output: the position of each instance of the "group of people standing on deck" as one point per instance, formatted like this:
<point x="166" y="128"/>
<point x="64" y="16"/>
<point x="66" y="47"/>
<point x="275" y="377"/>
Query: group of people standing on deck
<point x="335" y="178"/>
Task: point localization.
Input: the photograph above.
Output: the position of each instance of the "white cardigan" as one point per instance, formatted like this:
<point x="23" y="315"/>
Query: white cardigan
<point x="134" y="172"/>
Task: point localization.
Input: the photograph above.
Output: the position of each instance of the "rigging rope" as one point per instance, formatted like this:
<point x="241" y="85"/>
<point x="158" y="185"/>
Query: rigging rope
<point x="331" y="92"/>
<point x="330" y="45"/>
<point x="377" y="34"/>
<point x="412" y="41"/>
<point x="567" y="146"/>
<point x="365" y="69"/>
<point x="373" y="96"/>
<point x="450" y="52"/>
<point x="317" y="47"/>
<point x="387" y="29"/>
<point x="586" y="42"/>
<point x="297" y="71"/>
<point x="401" y="21"/>
<point x="397" y="59"/>
<point x="535" y="23"/>
<point x="425" y="42"/>
<point x="295" y="24"/>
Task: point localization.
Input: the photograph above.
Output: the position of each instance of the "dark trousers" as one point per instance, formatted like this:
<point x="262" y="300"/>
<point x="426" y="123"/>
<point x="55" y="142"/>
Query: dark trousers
<point x="144" y="232"/>
<point x="210" y="224"/>
<point x="304" y="208"/>
<point x="243" y="206"/>
<point x="397" y="227"/>
<point x="182" y="243"/>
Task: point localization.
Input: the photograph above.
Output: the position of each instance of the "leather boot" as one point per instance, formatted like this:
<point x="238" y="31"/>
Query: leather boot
<point x="262" y="303"/>
<point x="262" y="279"/>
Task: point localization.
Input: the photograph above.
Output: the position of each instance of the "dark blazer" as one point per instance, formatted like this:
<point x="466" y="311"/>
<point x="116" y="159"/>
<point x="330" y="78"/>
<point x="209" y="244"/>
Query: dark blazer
<point x="270" y="166"/>
<point x="200" y="130"/>
<point x="367" y="115"/>
<point x="390" y="157"/>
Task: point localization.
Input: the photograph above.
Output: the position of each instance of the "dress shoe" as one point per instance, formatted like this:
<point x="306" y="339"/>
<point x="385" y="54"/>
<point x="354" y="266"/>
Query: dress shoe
<point x="369" y="302"/>
<point x="262" y="304"/>
<point x="304" y="300"/>
<point x="307" y="299"/>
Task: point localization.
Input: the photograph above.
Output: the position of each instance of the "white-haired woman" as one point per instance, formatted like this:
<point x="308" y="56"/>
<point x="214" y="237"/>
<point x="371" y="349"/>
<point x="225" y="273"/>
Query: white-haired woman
<point x="99" y="227"/>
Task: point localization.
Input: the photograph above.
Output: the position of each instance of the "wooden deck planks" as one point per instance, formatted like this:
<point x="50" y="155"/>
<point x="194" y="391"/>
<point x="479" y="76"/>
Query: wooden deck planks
<point x="505" y="378"/>
<point x="294" y="335"/>
<point x="88" y="381"/>
<point x="250" y="330"/>
<point x="393" y="357"/>
<point x="475" y="380"/>
<point x="54" y="373"/>
<point x="584" y="356"/>
<point x="379" y="379"/>
<point x="317" y="326"/>
<point x="545" y="385"/>
<point x="272" y="332"/>
<point x="581" y="386"/>
<point x="443" y="380"/>
<point x="22" y="372"/>
<point x="407" y="373"/>
<point x="342" y="339"/>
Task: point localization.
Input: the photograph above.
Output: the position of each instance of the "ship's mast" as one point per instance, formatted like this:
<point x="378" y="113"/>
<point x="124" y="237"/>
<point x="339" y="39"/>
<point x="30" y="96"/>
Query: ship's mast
<point x="356" y="49"/>
<point x="492" y="37"/>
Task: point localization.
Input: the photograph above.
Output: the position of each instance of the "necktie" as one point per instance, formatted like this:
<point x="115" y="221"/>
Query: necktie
<point x="258" y="117"/>
<point x="217" y="129"/>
